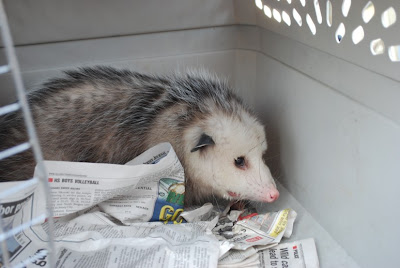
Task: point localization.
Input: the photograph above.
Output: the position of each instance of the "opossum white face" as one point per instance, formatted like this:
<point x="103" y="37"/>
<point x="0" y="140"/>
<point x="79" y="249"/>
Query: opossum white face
<point x="227" y="159"/>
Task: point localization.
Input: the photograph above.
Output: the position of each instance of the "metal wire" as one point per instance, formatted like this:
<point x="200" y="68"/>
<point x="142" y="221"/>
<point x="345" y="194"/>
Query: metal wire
<point x="4" y="249"/>
<point x="18" y="229"/>
<point x="15" y="150"/>
<point x="9" y="108"/>
<point x="4" y="69"/>
<point x="13" y="67"/>
<point x="19" y="187"/>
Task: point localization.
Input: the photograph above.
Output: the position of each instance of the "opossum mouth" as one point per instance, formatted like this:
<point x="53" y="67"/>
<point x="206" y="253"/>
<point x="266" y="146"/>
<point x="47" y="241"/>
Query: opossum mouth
<point x="233" y="194"/>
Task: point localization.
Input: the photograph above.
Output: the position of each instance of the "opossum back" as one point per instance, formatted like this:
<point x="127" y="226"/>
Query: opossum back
<point x="12" y="133"/>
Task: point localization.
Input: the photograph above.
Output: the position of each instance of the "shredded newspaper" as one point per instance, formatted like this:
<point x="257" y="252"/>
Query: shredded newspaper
<point x="132" y="216"/>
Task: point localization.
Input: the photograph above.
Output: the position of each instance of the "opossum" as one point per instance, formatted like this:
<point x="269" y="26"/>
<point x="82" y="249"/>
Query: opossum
<point x="107" y="115"/>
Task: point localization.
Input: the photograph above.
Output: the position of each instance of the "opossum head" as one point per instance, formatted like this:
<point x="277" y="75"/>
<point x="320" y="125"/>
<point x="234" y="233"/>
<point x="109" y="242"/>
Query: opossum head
<point x="226" y="159"/>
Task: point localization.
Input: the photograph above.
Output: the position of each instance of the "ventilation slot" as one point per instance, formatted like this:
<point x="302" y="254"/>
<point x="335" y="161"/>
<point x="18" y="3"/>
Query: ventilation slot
<point x="340" y="32"/>
<point x="318" y="11"/>
<point x="329" y="13"/>
<point x="394" y="53"/>
<point x="368" y="12"/>
<point x="377" y="47"/>
<point x="267" y="11"/>
<point x="358" y="35"/>
<point x="286" y="18"/>
<point x="311" y="24"/>
<point x="259" y="4"/>
<point x="297" y="17"/>
<point x="388" y="17"/>
<point x="277" y="15"/>
<point x="303" y="2"/>
<point x="346" y="7"/>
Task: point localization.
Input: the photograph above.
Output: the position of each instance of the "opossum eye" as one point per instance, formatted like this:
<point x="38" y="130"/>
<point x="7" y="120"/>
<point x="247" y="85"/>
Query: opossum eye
<point x="239" y="162"/>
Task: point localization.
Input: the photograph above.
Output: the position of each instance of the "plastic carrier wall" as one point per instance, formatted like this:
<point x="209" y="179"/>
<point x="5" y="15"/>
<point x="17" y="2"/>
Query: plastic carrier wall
<point x="323" y="75"/>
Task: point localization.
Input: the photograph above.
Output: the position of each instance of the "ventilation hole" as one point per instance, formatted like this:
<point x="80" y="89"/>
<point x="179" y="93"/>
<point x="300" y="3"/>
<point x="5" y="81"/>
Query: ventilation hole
<point x="346" y="7"/>
<point x="311" y="24"/>
<point x="377" y="46"/>
<point x="267" y="11"/>
<point x="286" y="18"/>
<point x="340" y="32"/>
<point x="277" y="15"/>
<point x="297" y="17"/>
<point x="259" y="4"/>
<point x="394" y="53"/>
<point x="357" y="35"/>
<point x="289" y="1"/>
<point x="303" y="2"/>
<point x="329" y="13"/>
<point x="318" y="11"/>
<point x="368" y="12"/>
<point x="388" y="17"/>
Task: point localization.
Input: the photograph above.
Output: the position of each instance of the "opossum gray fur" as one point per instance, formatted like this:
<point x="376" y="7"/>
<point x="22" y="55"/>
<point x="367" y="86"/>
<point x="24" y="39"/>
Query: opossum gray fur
<point x="102" y="114"/>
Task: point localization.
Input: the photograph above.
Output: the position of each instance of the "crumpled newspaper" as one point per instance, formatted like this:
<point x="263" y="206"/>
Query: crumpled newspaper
<point x="103" y="213"/>
<point x="243" y="233"/>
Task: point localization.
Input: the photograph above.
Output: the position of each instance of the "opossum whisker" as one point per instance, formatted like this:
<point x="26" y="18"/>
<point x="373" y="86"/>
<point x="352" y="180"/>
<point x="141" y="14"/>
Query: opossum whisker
<point x="255" y="146"/>
<point x="252" y="179"/>
<point x="258" y="205"/>
<point x="212" y="188"/>
<point x="259" y="170"/>
<point x="272" y="157"/>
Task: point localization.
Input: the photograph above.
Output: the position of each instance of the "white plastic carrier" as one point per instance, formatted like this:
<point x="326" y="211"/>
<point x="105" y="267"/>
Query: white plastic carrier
<point x="324" y="76"/>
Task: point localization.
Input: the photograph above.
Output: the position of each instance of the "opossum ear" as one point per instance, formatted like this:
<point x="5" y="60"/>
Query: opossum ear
<point x="204" y="141"/>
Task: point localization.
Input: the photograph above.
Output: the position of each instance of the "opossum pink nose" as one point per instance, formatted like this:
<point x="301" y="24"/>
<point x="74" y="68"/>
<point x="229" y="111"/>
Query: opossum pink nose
<point x="273" y="194"/>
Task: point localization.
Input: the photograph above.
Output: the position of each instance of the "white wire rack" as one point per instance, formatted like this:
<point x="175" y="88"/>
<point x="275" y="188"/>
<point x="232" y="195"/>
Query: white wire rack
<point x="33" y="144"/>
